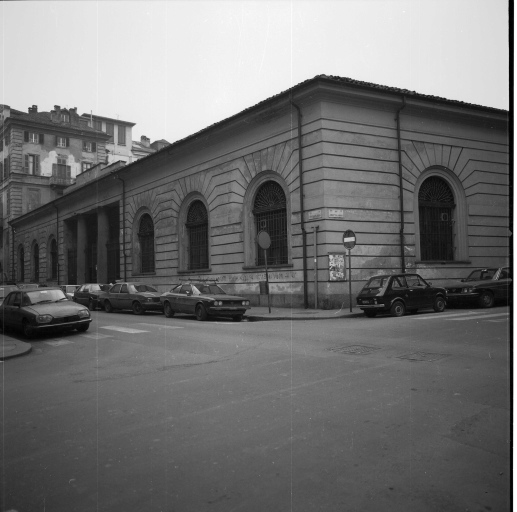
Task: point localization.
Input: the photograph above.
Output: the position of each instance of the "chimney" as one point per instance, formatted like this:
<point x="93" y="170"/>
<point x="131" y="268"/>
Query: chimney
<point x="57" y="108"/>
<point x="145" y="141"/>
<point x="73" y="110"/>
<point x="33" y="109"/>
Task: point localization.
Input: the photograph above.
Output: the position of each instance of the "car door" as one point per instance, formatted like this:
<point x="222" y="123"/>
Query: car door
<point x="125" y="298"/>
<point x="7" y="308"/>
<point x="114" y="295"/>
<point x="418" y="291"/>
<point x="15" y="313"/>
<point x="185" y="299"/>
<point x="81" y="295"/>
<point x="503" y="285"/>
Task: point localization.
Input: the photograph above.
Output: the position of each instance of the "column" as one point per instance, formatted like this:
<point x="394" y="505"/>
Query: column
<point x="81" y="249"/>
<point x="103" y="233"/>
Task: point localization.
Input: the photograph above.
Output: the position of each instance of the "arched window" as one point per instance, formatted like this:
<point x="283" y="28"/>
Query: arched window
<point x="21" y="264"/>
<point x="197" y="226"/>
<point x="436" y="208"/>
<point x="35" y="262"/>
<point x="270" y="213"/>
<point x="53" y="259"/>
<point x="146" y="239"/>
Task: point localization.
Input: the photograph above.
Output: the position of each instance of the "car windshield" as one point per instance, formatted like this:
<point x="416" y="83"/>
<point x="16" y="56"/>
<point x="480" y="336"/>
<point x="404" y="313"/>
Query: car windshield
<point x="42" y="295"/>
<point x="482" y="275"/>
<point x="144" y="288"/>
<point x="208" y="289"/>
<point x="376" y="283"/>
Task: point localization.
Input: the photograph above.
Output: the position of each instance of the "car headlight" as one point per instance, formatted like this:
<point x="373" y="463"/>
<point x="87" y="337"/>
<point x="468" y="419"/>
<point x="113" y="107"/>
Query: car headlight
<point x="245" y="302"/>
<point x="149" y="299"/>
<point x="83" y="313"/>
<point x="468" y="289"/>
<point x="218" y="302"/>
<point x="44" y="319"/>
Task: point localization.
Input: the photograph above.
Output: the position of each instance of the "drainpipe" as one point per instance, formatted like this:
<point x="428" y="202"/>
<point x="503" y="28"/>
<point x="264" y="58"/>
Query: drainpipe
<point x="57" y="236"/>
<point x="302" y="223"/>
<point x="124" y="223"/>
<point x="401" y="188"/>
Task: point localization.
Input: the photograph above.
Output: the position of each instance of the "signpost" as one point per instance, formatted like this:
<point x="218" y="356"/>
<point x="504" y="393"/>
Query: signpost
<point x="264" y="241"/>
<point x="349" y="243"/>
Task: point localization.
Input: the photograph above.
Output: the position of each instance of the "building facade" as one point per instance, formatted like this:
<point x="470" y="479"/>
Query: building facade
<point x="422" y="181"/>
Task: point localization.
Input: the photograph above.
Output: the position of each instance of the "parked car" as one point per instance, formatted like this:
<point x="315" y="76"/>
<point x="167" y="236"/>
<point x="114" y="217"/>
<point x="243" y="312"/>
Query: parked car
<point x="398" y="293"/>
<point x="42" y="309"/>
<point x="31" y="286"/>
<point x="139" y="297"/>
<point x="5" y="289"/>
<point x="483" y="287"/>
<point x="204" y="300"/>
<point x="88" y="294"/>
<point x="69" y="290"/>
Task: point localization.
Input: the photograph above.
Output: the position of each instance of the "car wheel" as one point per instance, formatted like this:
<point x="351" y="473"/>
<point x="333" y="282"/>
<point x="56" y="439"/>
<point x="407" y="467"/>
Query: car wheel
<point x="167" y="309"/>
<point x="137" y="308"/>
<point x="108" y="307"/>
<point x="91" y="305"/>
<point x="83" y="327"/>
<point x="398" y="309"/>
<point x="439" y="304"/>
<point x="486" y="300"/>
<point x="201" y="313"/>
<point x="237" y="318"/>
<point x="27" y="329"/>
<point x="370" y="314"/>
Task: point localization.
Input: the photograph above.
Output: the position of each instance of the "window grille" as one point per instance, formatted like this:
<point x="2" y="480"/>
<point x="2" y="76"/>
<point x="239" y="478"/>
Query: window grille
<point x="36" y="263"/>
<point x="53" y="259"/>
<point x="197" y="225"/>
<point x="436" y="207"/>
<point x="146" y="237"/>
<point x="271" y="216"/>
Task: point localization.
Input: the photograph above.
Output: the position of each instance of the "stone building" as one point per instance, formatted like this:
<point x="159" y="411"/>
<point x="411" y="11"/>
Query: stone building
<point x="422" y="181"/>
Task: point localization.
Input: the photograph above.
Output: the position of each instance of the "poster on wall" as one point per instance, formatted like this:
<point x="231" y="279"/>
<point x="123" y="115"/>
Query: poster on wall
<point x="337" y="268"/>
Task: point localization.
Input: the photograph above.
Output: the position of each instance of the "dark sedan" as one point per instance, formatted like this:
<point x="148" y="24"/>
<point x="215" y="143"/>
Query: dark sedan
<point x="483" y="287"/>
<point x="399" y="293"/>
<point x="203" y="300"/>
<point x="88" y="294"/>
<point x="42" y="309"/>
<point x="139" y="297"/>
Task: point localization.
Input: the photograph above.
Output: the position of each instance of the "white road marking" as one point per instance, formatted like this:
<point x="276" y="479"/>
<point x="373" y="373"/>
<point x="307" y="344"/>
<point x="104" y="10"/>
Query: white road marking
<point x="58" y="343"/>
<point x="479" y="317"/>
<point x="441" y="315"/>
<point x="122" y="329"/>
<point x="162" y="326"/>
<point x="498" y="321"/>
<point x="96" y="336"/>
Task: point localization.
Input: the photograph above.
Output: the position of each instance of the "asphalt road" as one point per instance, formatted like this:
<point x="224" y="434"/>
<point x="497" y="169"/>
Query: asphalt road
<point x="145" y="413"/>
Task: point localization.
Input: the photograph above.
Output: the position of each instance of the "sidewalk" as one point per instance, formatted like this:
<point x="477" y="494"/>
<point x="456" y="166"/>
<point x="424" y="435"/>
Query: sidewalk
<point x="12" y="347"/>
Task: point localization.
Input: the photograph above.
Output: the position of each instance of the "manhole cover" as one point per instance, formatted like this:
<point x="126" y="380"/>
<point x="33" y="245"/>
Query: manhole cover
<point x="423" y="356"/>
<point x="354" y="349"/>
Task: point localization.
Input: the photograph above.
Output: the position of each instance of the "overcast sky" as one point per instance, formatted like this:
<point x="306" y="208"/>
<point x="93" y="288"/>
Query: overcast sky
<point x="175" y="67"/>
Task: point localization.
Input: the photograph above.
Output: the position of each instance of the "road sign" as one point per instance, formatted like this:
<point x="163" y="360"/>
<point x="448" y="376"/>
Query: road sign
<point x="264" y="240"/>
<point x="349" y="239"/>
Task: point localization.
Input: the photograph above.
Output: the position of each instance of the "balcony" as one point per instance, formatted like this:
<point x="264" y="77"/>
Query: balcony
<point x="58" y="182"/>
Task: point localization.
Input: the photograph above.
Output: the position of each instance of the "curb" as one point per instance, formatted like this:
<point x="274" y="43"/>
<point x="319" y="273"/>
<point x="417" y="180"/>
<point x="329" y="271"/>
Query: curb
<point x="13" y="348"/>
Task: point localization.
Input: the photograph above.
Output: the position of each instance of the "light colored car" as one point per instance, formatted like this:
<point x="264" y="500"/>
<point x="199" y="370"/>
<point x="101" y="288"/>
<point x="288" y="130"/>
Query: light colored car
<point x="89" y="293"/>
<point x="483" y="287"/>
<point x="203" y="300"/>
<point x="69" y="290"/>
<point x="42" y="309"/>
<point x="137" y="296"/>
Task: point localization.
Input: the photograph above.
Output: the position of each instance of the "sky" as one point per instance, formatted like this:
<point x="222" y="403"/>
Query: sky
<point x="175" y="67"/>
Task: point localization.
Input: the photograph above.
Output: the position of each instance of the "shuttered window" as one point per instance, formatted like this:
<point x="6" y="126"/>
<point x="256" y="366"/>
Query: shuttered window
<point x="197" y="226"/>
<point x="110" y="129"/>
<point x="32" y="165"/>
<point x="146" y="239"/>
<point x="121" y="135"/>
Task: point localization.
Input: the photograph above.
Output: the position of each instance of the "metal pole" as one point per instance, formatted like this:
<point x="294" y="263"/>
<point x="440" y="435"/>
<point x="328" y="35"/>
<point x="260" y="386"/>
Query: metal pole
<point x="267" y="281"/>
<point x="350" y="278"/>
<point x="315" y="267"/>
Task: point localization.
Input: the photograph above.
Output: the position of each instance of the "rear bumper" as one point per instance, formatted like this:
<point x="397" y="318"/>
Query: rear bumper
<point x="228" y="311"/>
